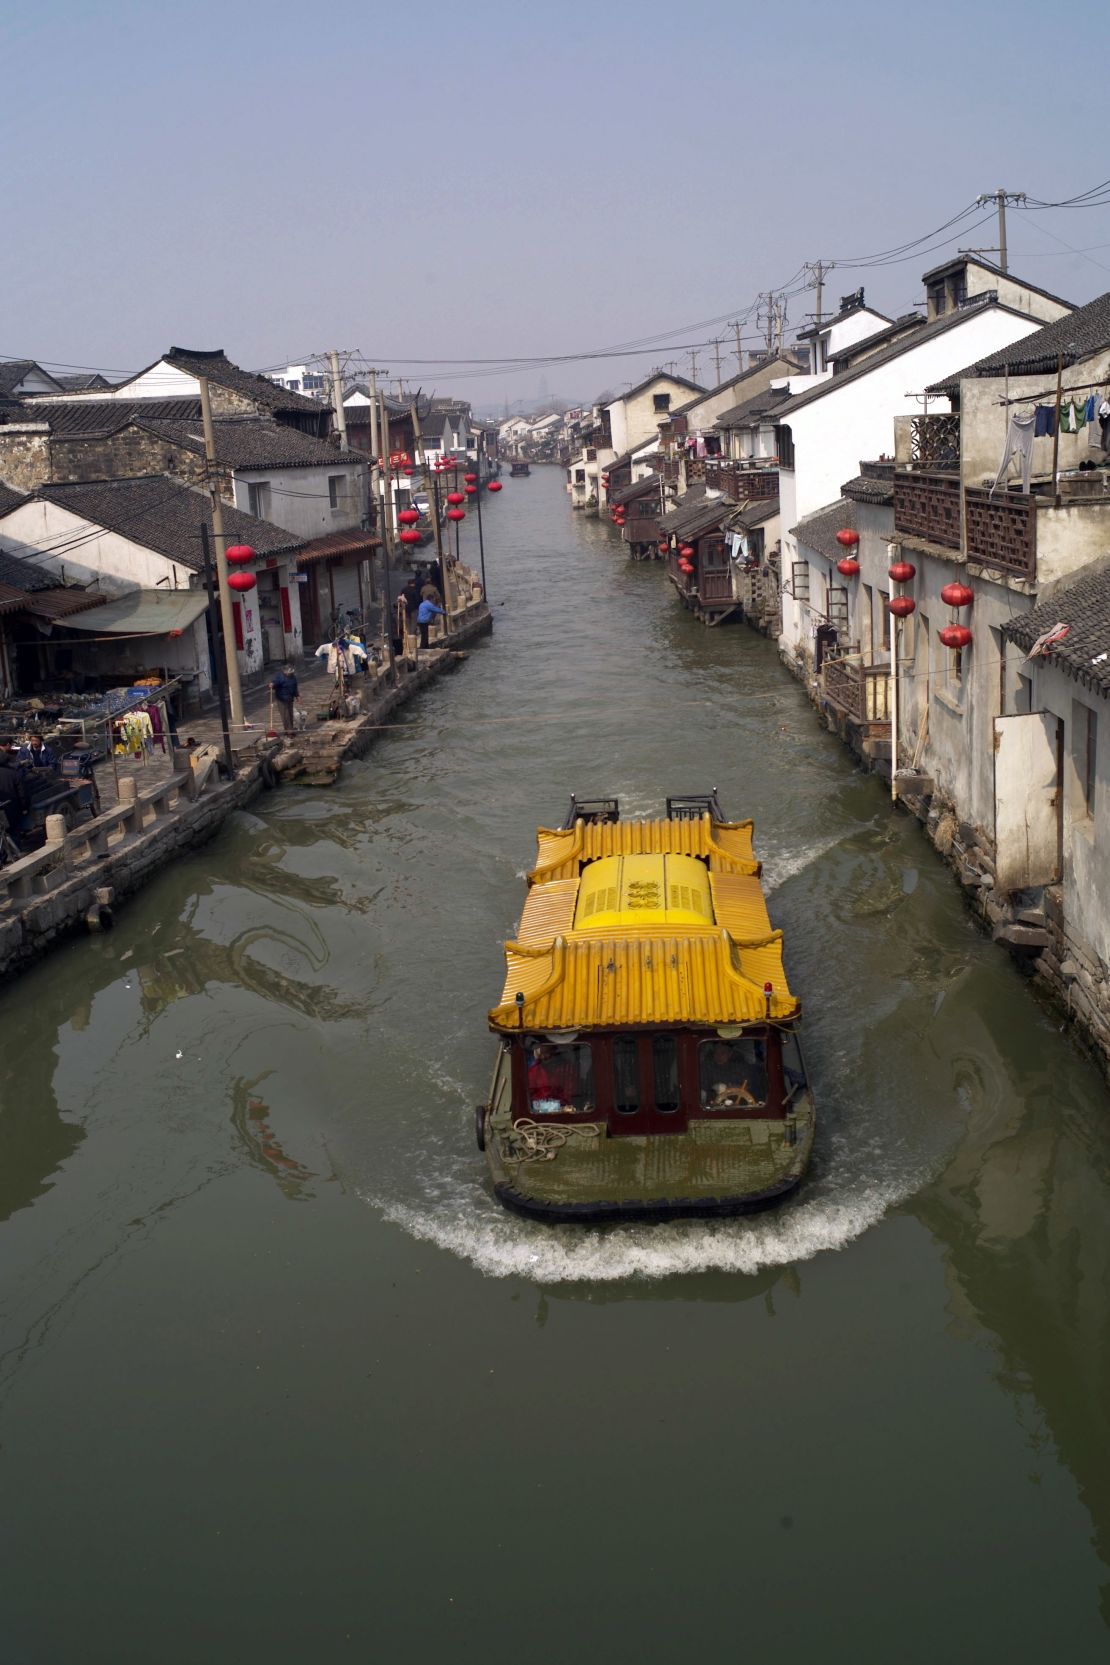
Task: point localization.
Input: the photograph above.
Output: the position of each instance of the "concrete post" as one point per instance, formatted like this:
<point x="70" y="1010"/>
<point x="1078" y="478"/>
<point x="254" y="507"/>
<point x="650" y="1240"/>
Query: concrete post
<point x="55" y="829"/>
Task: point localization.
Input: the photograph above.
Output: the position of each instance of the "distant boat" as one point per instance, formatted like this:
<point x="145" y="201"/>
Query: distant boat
<point x="518" y="470"/>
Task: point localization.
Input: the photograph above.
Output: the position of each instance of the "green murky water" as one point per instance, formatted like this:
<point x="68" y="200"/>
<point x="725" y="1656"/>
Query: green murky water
<point x="280" y="1382"/>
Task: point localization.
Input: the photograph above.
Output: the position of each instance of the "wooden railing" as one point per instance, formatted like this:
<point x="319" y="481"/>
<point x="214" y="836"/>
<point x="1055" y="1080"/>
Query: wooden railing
<point x="861" y="691"/>
<point x="935" y="441"/>
<point x="1002" y="530"/>
<point x="928" y="506"/>
<point x="715" y="586"/>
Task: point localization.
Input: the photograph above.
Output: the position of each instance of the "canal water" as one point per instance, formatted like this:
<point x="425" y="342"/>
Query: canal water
<point x="280" y="1381"/>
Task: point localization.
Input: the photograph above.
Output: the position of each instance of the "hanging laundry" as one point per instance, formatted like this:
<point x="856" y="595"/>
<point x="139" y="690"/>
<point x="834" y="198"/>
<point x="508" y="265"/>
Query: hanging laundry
<point x="1079" y="415"/>
<point x="1065" y="417"/>
<point x="1104" y="423"/>
<point x="1019" y="448"/>
<point x="1044" y="421"/>
<point x="1092" y="406"/>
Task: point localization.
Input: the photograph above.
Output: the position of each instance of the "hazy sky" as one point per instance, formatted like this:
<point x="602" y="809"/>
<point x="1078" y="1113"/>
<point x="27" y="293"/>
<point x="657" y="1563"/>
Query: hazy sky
<point x="494" y="181"/>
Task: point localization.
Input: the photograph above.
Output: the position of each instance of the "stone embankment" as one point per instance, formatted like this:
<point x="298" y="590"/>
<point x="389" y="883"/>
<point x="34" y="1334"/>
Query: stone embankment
<point x="79" y="877"/>
<point x="1029" y="924"/>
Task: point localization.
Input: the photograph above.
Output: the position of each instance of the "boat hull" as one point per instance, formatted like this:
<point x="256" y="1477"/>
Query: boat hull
<point x="665" y="1208"/>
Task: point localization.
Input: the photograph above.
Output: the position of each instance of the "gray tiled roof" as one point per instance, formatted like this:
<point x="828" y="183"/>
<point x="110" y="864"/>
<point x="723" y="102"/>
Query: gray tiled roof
<point x="165" y="516"/>
<point x="656" y="375"/>
<point x="1083" y="604"/>
<point x="13" y="370"/>
<point x="24" y="574"/>
<point x="904" y="344"/>
<point x="88" y="417"/>
<point x="818" y="530"/>
<point x="788" y="359"/>
<point x="690" y="519"/>
<point x="250" y="445"/>
<point x="869" y="488"/>
<point x="638" y="488"/>
<point x="961" y="260"/>
<point x="754" y="514"/>
<point x="751" y="411"/>
<point x="219" y="368"/>
<point x="9" y="498"/>
<point x="1077" y="335"/>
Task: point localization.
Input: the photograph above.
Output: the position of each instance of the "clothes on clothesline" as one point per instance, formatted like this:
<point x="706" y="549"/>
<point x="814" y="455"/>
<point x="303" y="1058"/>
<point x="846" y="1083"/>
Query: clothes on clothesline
<point x="1044" y="421"/>
<point x="134" y="732"/>
<point x="1019" y="449"/>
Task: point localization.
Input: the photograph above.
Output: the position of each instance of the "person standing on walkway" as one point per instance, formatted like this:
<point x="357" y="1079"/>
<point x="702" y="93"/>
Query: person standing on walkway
<point x="425" y="613"/>
<point x="287" y="693"/>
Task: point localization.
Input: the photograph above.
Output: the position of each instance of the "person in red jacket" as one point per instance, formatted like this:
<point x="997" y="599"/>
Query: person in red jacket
<point x="551" y="1078"/>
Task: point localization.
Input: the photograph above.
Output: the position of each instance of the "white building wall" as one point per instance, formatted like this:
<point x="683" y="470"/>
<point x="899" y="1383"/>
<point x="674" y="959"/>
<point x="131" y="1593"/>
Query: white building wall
<point x="300" y="501"/>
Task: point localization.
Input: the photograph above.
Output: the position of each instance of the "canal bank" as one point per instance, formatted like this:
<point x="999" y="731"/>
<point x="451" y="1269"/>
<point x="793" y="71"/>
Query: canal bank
<point x="265" y="1328"/>
<point x="83" y="874"/>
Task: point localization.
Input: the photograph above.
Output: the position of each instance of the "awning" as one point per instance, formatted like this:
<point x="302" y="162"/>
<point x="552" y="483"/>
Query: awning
<point x="47" y="604"/>
<point x="336" y="546"/>
<point x="144" y="613"/>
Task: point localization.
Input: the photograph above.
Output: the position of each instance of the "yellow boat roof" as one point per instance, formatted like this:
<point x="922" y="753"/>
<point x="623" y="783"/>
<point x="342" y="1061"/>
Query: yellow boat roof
<point x="643" y="923"/>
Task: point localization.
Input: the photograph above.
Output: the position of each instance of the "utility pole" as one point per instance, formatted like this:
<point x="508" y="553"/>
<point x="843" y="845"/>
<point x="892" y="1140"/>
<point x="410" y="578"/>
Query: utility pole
<point x="693" y="366"/>
<point x="735" y="328"/>
<point x="337" y="396"/>
<point x="1001" y="197"/>
<point x="227" y="617"/>
<point x="387" y="541"/>
<point x="716" y="346"/>
<point x="820" y="270"/>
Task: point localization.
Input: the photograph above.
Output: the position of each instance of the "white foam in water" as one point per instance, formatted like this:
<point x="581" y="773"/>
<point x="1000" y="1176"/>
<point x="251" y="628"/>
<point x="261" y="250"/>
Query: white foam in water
<point x="469" y="1224"/>
<point x="787" y="864"/>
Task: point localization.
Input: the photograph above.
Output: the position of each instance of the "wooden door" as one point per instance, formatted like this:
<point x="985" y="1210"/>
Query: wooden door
<point x="647" y="1097"/>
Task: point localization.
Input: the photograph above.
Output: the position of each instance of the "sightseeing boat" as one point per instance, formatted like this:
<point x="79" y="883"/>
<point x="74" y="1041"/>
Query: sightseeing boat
<point x="518" y="470"/>
<point x="648" y="1062"/>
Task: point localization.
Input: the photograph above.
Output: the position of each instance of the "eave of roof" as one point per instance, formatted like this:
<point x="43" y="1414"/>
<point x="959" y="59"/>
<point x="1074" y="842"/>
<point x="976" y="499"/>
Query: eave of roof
<point x="1082" y="602"/>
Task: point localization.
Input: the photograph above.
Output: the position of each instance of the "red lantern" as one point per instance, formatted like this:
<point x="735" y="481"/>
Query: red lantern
<point x="240" y="552"/>
<point x="955" y="636"/>
<point x="957" y="595"/>
<point x="406" y="469"/>
<point x="686" y="550"/>
<point x="455" y="498"/>
<point x="664" y="546"/>
<point x="241" y="581"/>
<point x="409" y="536"/>
<point x="470" y="479"/>
<point x="902" y="606"/>
<point x="848" y="567"/>
<point x="846" y="538"/>
<point x="470" y="490"/>
<point x="494" y="485"/>
<point x="409" y="517"/>
<point x="687" y="567"/>
<point x="902" y="571"/>
<point x="456" y="514"/>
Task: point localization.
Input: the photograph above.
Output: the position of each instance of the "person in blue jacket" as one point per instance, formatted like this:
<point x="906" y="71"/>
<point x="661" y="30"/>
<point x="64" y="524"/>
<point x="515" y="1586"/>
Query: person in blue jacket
<point x="425" y="613"/>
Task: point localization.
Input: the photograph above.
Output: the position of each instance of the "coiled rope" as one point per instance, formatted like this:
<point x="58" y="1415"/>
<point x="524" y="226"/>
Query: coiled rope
<point x="530" y="1141"/>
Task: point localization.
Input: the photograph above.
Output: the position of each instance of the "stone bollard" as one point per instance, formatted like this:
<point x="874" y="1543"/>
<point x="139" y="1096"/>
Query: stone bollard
<point x="55" y="829"/>
<point x="129" y="799"/>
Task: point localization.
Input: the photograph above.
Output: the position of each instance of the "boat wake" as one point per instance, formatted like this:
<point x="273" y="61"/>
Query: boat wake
<point x="502" y="1246"/>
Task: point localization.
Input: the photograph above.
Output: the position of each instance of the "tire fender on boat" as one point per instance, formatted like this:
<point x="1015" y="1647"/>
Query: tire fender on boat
<point x="480" y="1111"/>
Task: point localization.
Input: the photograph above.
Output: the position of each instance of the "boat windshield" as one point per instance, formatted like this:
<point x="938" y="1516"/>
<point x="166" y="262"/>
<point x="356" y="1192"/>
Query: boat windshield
<point x="560" y="1077"/>
<point x="732" y="1073"/>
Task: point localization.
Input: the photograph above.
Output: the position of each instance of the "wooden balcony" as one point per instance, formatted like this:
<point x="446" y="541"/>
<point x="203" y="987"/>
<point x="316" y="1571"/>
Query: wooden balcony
<point x="714" y="586"/>
<point x="935" y="441"/>
<point x="927" y="505"/>
<point x="1001" y="530"/>
<point x="861" y="691"/>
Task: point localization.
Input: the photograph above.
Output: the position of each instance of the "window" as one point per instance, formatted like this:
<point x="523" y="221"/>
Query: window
<point x="1084" y="744"/>
<point x="664" y="1063"/>
<point x="732" y="1074"/>
<point x="335" y="489"/>
<point x="258" y="498"/>
<point x="626" y="1075"/>
<point x="661" y="401"/>
<point x="799" y="580"/>
<point x="560" y="1077"/>
<point x="884" y="609"/>
<point x="784" y="441"/>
